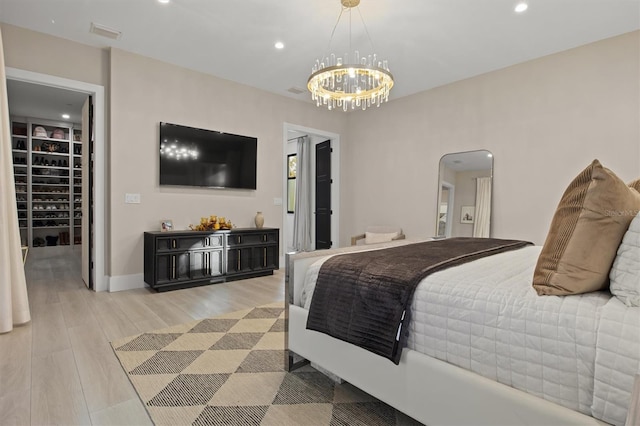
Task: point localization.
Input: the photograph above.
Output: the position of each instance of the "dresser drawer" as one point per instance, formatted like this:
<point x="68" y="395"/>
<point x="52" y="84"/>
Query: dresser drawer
<point x="189" y="243"/>
<point x="252" y="238"/>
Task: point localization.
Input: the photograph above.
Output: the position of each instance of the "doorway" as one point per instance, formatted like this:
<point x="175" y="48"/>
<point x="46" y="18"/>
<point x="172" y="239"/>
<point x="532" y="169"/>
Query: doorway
<point x="96" y="261"/>
<point x="445" y="209"/>
<point x="318" y="137"/>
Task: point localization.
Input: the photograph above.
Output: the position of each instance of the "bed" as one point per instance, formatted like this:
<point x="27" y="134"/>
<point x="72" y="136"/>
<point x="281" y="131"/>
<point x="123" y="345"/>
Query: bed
<point x="485" y="346"/>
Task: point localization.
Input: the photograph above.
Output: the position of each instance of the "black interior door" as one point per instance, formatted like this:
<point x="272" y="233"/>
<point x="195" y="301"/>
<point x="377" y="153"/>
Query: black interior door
<point x="89" y="199"/>
<point x="84" y="184"/>
<point x="323" y="195"/>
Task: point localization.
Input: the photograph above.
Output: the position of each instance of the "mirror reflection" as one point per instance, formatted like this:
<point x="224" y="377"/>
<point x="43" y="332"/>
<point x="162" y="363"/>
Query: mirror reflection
<point x="464" y="194"/>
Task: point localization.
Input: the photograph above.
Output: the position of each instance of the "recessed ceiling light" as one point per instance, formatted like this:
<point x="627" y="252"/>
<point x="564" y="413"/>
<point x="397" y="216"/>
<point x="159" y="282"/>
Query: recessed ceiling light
<point x="279" y="45"/>
<point x="66" y="116"/>
<point x="521" y="7"/>
<point x="164" y="1"/>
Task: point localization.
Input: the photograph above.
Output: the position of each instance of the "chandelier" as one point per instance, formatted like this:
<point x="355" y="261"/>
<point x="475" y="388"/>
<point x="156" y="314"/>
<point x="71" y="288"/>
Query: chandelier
<point x="350" y="82"/>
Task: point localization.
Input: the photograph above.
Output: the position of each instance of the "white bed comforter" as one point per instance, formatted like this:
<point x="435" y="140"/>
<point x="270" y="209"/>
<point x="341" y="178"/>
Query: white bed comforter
<point x="486" y="317"/>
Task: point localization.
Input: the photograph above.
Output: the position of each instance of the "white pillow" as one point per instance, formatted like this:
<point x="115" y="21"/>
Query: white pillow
<point x="625" y="272"/>
<point x="374" y="237"/>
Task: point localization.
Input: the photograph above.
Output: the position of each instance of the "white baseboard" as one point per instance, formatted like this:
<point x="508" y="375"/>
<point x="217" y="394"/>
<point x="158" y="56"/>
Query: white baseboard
<point x="126" y="282"/>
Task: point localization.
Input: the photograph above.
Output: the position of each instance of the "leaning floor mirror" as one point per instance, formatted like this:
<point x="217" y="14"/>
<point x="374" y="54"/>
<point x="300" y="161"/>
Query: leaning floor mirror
<point x="464" y="194"/>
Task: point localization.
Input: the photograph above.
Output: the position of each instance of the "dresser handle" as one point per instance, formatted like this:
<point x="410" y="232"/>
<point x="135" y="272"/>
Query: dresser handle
<point x="173" y="243"/>
<point x="173" y="267"/>
<point x="264" y="238"/>
<point x="239" y="254"/>
<point x="265" y="257"/>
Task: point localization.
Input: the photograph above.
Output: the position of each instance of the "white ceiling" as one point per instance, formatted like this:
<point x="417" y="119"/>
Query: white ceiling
<point x="428" y="42"/>
<point x="32" y="100"/>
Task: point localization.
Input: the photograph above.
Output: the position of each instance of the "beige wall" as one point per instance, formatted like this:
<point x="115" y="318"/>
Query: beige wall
<point x="143" y="93"/>
<point x="33" y="51"/>
<point x="544" y="121"/>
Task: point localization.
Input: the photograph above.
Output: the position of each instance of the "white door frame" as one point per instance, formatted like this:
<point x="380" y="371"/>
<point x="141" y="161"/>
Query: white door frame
<point x="99" y="249"/>
<point x="335" y="177"/>
<point x="448" y="224"/>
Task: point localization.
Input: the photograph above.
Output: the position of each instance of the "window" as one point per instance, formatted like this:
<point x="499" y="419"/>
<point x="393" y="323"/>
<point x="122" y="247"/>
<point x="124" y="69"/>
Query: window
<point x="292" y="163"/>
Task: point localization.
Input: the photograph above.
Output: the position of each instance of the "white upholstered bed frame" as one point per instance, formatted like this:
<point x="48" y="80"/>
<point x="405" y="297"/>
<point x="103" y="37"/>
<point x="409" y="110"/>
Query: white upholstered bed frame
<point x="429" y="390"/>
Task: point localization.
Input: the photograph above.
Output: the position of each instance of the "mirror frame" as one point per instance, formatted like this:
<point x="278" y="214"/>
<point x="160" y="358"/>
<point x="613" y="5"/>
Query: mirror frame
<point x="439" y="192"/>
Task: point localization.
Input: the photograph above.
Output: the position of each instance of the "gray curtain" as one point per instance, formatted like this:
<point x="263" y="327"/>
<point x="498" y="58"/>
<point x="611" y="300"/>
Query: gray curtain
<point x="302" y="213"/>
<point x="14" y="304"/>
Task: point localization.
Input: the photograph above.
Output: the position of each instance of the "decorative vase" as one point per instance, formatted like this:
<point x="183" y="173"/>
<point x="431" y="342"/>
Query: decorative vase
<point x="259" y="219"/>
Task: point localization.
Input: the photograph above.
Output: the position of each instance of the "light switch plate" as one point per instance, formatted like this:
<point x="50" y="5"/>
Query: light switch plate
<point x="277" y="201"/>
<point x="132" y="198"/>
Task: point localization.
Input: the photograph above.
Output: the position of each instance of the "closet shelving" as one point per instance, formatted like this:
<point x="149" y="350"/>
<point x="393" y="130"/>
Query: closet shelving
<point x="47" y="168"/>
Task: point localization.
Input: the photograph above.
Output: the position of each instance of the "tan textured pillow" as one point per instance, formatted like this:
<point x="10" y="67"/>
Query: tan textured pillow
<point x="375" y="238"/>
<point x="635" y="185"/>
<point x="587" y="228"/>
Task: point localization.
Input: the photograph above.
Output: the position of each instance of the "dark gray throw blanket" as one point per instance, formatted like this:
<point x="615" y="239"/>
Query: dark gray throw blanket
<point x="363" y="298"/>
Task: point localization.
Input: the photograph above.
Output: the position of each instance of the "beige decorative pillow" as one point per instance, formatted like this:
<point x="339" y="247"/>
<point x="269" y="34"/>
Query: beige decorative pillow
<point x="375" y="238"/>
<point x="635" y="185"/>
<point x="587" y="228"/>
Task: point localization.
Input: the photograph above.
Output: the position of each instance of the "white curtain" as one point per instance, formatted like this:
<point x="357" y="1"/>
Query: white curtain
<point x="302" y="212"/>
<point x="14" y="304"/>
<point x="483" y="207"/>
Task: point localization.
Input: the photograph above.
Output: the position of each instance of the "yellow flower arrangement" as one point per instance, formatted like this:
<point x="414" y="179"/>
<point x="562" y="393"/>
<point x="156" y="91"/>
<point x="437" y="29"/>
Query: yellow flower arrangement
<point x="212" y="223"/>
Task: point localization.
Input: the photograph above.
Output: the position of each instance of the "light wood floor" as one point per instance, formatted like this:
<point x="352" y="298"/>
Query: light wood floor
<point x="60" y="368"/>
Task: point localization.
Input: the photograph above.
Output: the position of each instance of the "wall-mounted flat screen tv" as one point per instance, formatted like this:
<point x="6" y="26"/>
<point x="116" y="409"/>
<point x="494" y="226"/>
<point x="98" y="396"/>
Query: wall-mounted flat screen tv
<point x="206" y="158"/>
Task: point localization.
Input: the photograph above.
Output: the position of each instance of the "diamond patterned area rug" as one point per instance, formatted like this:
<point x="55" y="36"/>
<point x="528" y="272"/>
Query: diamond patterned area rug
<point x="229" y="370"/>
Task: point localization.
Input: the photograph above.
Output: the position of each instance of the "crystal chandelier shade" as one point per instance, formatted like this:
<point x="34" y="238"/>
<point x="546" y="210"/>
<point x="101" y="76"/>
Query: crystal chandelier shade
<point x="350" y="82"/>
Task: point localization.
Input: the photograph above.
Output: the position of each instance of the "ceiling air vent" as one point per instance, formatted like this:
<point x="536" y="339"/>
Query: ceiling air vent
<point x="295" y="90"/>
<point x="104" y="31"/>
